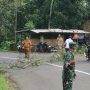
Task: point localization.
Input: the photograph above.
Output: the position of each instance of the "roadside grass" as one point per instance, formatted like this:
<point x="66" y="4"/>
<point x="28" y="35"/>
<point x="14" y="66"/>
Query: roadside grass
<point x="5" y="83"/>
<point x="3" y="50"/>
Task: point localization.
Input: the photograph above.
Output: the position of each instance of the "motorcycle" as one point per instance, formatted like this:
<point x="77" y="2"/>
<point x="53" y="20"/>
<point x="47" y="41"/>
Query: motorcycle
<point x="87" y="52"/>
<point x="52" y="49"/>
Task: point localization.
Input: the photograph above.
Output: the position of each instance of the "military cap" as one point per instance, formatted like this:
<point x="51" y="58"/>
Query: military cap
<point x="71" y="44"/>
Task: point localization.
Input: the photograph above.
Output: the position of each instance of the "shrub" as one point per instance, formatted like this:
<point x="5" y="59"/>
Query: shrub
<point x="8" y="45"/>
<point x="13" y="46"/>
<point x="80" y="49"/>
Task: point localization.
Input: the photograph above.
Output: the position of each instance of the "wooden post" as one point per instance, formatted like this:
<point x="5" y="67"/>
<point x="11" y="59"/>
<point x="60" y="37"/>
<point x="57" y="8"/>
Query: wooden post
<point x="42" y="38"/>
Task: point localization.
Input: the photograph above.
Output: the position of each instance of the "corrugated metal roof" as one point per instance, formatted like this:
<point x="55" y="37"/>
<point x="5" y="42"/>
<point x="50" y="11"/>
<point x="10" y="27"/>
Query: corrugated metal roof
<point x="58" y="31"/>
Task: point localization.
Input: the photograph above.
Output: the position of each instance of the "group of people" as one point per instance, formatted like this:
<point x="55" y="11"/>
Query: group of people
<point x="68" y="73"/>
<point x="61" y="43"/>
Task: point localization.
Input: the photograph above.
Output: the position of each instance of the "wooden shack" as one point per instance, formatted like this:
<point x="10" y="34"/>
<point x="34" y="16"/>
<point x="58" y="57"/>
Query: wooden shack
<point x="50" y="35"/>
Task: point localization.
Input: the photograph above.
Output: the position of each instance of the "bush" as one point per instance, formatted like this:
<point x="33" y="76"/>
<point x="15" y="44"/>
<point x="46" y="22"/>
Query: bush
<point x="8" y="45"/>
<point x="80" y="49"/>
<point x="13" y="47"/>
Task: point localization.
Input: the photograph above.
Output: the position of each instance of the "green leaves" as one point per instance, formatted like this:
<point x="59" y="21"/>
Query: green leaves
<point x="28" y="14"/>
<point x="7" y="17"/>
<point x="3" y="83"/>
<point x="29" y="25"/>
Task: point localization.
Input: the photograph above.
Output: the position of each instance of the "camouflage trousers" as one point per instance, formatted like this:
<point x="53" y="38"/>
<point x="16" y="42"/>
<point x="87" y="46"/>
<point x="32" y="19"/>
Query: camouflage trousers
<point x="67" y="84"/>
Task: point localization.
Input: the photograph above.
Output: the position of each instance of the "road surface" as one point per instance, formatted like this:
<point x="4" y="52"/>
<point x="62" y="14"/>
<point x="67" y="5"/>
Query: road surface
<point x="48" y="76"/>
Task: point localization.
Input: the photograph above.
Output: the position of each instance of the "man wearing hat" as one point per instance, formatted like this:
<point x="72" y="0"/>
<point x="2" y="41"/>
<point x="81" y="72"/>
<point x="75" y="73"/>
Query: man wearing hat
<point x="68" y="73"/>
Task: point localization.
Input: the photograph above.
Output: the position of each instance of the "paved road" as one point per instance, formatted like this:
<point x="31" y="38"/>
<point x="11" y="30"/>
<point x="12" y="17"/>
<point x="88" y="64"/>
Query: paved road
<point x="7" y="58"/>
<point x="48" y="77"/>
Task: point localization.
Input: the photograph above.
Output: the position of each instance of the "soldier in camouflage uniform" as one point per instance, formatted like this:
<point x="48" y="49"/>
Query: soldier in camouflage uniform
<point x="68" y="74"/>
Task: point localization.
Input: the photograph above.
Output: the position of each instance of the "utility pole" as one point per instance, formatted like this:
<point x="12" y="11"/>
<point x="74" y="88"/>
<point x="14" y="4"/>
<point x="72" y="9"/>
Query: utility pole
<point x="50" y="14"/>
<point x="15" y="28"/>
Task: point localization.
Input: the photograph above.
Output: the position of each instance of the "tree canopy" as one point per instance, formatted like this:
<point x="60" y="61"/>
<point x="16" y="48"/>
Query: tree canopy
<point x="28" y="14"/>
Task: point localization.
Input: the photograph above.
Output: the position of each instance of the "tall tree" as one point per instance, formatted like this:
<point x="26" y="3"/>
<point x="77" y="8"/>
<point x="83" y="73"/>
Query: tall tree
<point x="65" y="13"/>
<point x="7" y="18"/>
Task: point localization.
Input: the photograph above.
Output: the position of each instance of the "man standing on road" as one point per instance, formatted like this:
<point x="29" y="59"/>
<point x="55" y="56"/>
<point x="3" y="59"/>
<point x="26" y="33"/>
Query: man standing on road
<point x="66" y="44"/>
<point x="60" y="42"/>
<point x="68" y="74"/>
<point x="27" y="47"/>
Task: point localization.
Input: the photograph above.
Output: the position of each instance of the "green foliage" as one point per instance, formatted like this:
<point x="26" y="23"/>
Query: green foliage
<point x="65" y="13"/>
<point x="80" y="49"/>
<point x="7" y="18"/>
<point x="22" y="14"/>
<point x="5" y="45"/>
<point x="29" y="25"/>
<point x="57" y="56"/>
<point x="3" y="83"/>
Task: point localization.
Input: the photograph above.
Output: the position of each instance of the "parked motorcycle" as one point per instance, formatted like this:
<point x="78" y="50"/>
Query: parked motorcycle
<point x="87" y="52"/>
<point x="52" y="49"/>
